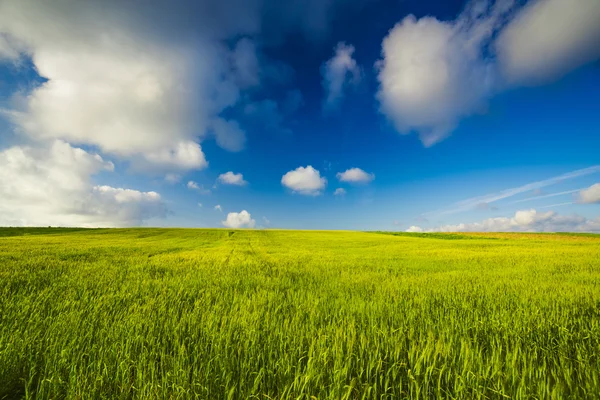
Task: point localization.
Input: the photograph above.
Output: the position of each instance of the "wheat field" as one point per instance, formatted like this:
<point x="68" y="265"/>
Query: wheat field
<point x="268" y="314"/>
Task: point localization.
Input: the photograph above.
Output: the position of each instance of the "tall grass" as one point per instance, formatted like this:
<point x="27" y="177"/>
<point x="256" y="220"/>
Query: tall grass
<point x="218" y="314"/>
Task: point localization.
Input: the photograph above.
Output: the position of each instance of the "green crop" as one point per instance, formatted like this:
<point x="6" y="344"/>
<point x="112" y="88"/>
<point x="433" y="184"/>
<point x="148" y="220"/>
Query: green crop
<point x="222" y="314"/>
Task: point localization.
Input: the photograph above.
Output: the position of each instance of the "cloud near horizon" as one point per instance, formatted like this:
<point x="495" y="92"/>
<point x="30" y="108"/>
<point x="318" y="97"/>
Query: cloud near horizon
<point x="51" y="186"/>
<point x="523" y="221"/>
<point x="239" y="220"/>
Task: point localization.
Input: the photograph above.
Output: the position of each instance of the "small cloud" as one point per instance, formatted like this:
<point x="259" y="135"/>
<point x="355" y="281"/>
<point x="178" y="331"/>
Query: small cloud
<point x="355" y="175"/>
<point x="199" y="204"/>
<point x="229" y="178"/>
<point x="304" y="180"/>
<point x="266" y="221"/>
<point x="396" y="223"/>
<point x="414" y="229"/>
<point x="239" y="220"/>
<point x="199" y="188"/>
<point x="339" y="192"/>
<point x="172" y="178"/>
<point x="339" y="72"/>
<point x="228" y="134"/>
<point x="590" y="195"/>
<point x="421" y="219"/>
<point x="218" y="208"/>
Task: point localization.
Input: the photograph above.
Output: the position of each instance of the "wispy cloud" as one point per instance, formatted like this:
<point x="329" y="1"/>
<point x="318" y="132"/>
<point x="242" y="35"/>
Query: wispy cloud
<point x="556" y="205"/>
<point x="547" y="195"/>
<point x="472" y="203"/>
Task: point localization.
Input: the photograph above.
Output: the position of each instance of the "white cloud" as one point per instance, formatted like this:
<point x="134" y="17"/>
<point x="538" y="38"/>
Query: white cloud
<point x="238" y="220"/>
<point x="339" y="192"/>
<point x="129" y="81"/>
<point x="266" y="221"/>
<point x="549" y="38"/>
<point x="472" y="203"/>
<point x="229" y="178"/>
<point x="590" y="195"/>
<point x="434" y="73"/>
<point x="200" y="205"/>
<point x="199" y="188"/>
<point x="304" y="180"/>
<point x="523" y="221"/>
<point x="355" y="175"/>
<point x="218" y="208"/>
<point x="338" y="72"/>
<point x="52" y="186"/>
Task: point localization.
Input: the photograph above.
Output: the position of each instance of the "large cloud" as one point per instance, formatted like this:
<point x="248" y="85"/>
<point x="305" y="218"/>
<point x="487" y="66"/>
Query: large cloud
<point x="433" y="73"/>
<point x="304" y="180"/>
<point x="144" y="83"/>
<point x="111" y="83"/>
<point x="548" y="38"/>
<point x="239" y="220"/>
<point x="523" y="221"/>
<point x="51" y="186"/>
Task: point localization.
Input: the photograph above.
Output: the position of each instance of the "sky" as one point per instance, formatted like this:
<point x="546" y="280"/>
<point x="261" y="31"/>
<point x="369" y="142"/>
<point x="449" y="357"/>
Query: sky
<point x="400" y="115"/>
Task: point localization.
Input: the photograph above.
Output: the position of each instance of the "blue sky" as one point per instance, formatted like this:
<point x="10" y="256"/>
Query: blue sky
<point x="368" y="114"/>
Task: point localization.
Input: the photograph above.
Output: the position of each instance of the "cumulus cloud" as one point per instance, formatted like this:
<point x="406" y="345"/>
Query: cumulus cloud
<point x="355" y="175"/>
<point x="229" y="178"/>
<point x="433" y="73"/>
<point x="523" y="221"/>
<point x="109" y="85"/>
<point x="218" y="208"/>
<point x="590" y="195"/>
<point x="304" y="180"/>
<point x="239" y="220"/>
<point x="52" y="186"/>
<point x="145" y="84"/>
<point x="338" y="72"/>
<point x="339" y="192"/>
<point x="549" y="38"/>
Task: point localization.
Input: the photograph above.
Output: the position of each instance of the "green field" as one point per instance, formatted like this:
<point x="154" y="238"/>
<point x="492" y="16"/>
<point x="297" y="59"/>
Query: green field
<point x="215" y="314"/>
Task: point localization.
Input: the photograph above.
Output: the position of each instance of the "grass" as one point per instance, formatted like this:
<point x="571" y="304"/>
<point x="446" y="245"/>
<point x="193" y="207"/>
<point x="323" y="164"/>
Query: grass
<point x="221" y="314"/>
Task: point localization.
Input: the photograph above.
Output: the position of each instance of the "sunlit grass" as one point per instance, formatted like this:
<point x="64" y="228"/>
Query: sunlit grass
<point x="212" y="314"/>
